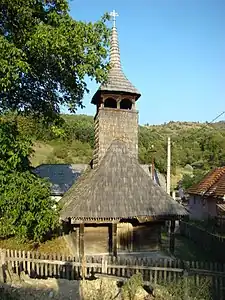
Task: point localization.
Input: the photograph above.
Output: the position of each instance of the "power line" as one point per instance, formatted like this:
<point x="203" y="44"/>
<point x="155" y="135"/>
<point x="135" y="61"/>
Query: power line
<point x="207" y="123"/>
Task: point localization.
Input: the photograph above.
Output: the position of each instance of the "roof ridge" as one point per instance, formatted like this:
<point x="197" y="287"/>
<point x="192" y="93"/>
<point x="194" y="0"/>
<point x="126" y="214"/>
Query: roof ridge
<point x="217" y="177"/>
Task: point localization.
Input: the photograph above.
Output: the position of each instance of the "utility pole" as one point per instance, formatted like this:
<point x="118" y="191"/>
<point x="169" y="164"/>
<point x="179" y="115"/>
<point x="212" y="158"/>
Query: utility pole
<point x="168" y="165"/>
<point x="153" y="168"/>
<point x="153" y="162"/>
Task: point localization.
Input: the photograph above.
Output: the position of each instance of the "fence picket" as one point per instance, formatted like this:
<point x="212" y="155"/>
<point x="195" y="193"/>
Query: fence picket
<point x="154" y="271"/>
<point x="28" y="262"/>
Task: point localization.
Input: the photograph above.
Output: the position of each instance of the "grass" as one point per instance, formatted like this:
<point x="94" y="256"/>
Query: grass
<point x="55" y="245"/>
<point x="209" y="226"/>
<point x="186" y="249"/>
<point x="41" y="152"/>
<point x="57" y="152"/>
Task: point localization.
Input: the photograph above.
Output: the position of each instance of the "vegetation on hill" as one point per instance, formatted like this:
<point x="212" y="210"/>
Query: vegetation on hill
<point x="196" y="147"/>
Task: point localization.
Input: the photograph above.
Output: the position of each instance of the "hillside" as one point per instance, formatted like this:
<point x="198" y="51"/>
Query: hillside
<point x="196" y="147"/>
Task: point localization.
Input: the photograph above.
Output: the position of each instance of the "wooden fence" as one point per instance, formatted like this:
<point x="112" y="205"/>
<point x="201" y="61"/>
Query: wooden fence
<point x="38" y="265"/>
<point x="220" y="224"/>
<point x="204" y="239"/>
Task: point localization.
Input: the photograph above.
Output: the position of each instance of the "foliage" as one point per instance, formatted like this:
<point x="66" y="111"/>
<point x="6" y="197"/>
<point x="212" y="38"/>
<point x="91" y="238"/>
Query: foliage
<point x="26" y="208"/>
<point x="45" y="56"/>
<point x="101" y="289"/>
<point x="188" y="180"/>
<point x="184" y="289"/>
<point x="196" y="148"/>
<point x="8" y="294"/>
<point x="131" y="286"/>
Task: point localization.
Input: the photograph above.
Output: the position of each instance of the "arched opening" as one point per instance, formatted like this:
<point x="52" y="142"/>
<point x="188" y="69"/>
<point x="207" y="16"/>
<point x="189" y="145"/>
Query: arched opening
<point x="125" y="104"/>
<point x="110" y="102"/>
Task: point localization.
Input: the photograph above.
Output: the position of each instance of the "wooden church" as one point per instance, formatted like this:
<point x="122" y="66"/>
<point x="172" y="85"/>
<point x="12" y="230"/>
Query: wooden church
<point x="115" y="206"/>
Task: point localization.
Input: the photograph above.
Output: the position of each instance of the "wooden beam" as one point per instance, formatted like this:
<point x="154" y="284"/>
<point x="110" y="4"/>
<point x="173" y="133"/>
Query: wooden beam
<point x="81" y="240"/>
<point x="172" y="236"/>
<point x="110" y="233"/>
<point x="114" y="231"/>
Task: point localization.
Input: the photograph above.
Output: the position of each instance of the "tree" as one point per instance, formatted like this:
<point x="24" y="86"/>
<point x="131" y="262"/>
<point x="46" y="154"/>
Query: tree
<point x="26" y="208"/>
<point x="45" y="56"/>
<point x="188" y="180"/>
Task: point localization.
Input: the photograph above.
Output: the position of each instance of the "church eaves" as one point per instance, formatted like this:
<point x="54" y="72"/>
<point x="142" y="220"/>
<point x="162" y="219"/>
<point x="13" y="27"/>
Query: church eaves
<point x="116" y="81"/>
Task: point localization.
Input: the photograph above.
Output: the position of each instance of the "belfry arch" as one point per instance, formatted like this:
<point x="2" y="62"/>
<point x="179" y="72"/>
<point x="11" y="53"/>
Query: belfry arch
<point x="125" y="104"/>
<point x="110" y="102"/>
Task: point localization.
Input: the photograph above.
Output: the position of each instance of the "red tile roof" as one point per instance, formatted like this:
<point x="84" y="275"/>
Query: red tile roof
<point x="213" y="184"/>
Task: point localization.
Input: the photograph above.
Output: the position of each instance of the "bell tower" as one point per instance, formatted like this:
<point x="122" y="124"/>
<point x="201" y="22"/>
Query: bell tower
<point x="116" y="116"/>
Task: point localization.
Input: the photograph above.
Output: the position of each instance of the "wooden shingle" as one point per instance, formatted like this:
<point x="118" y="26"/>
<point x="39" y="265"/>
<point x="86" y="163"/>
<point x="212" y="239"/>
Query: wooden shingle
<point x="118" y="188"/>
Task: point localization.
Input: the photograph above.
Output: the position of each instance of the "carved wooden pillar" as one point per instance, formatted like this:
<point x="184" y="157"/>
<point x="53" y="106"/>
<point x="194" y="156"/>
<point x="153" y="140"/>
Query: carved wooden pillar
<point x="114" y="239"/>
<point x="172" y="236"/>
<point x="81" y="240"/>
<point x="110" y="233"/>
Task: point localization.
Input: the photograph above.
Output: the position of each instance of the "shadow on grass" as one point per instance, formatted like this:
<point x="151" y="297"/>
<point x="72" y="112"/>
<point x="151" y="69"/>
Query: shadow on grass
<point x="185" y="249"/>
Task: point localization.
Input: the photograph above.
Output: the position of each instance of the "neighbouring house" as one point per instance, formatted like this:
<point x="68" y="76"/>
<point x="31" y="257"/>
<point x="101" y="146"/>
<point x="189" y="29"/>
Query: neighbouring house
<point x="63" y="176"/>
<point x="207" y="198"/>
<point x="115" y="206"/>
<point x="60" y="176"/>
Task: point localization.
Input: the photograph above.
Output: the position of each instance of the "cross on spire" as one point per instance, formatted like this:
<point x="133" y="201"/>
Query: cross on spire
<point x="114" y="14"/>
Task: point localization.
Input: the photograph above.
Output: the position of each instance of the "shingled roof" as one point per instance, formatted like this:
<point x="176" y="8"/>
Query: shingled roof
<point x="117" y="189"/>
<point x="61" y="176"/>
<point x="213" y="184"/>
<point x="116" y="81"/>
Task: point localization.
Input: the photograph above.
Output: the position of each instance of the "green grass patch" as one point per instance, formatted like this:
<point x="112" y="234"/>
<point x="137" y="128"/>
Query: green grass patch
<point x="54" y="245"/>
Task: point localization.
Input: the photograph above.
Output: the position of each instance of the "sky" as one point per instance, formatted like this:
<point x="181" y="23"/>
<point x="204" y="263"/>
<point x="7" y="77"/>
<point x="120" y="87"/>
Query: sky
<point x="173" y="51"/>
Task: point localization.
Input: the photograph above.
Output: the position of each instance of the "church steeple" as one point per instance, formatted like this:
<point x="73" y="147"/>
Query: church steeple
<point x="117" y="81"/>
<point x="114" y="58"/>
<point x="116" y="116"/>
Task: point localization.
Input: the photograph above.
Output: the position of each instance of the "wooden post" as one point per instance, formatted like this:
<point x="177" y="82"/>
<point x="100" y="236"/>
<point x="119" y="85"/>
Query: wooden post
<point x="81" y="249"/>
<point x="172" y="237"/>
<point x="168" y="166"/>
<point x="186" y="292"/>
<point x="114" y="231"/>
<point x="2" y="265"/>
<point x="104" y="265"/>
<point x="81" y="240"/>
<point x="110" y="234"/>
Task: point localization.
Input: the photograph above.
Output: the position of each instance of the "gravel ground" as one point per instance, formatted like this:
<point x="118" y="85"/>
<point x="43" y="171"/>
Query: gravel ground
<point x="42" y="289"/>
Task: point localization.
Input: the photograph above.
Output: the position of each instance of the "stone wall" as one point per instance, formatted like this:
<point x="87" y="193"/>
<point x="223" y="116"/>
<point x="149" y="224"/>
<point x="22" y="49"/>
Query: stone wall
<point x="111" y="124"/>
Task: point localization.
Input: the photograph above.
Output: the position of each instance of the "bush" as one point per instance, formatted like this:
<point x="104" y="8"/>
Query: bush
<point x="26" y="207"/>
<point x="185" y="289"/>
<point x="131" y="287"/>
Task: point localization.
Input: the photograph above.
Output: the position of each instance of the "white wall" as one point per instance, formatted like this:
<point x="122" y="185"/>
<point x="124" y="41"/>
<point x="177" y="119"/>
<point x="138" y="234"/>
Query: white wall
<point x="201" y="208"/>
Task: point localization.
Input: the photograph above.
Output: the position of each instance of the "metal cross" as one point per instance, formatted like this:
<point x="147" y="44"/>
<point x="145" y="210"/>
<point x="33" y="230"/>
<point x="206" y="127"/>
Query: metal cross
<point x="114" y="14"/>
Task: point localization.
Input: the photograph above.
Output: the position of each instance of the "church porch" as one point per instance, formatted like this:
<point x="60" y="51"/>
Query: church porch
<point x="118" y="238"/>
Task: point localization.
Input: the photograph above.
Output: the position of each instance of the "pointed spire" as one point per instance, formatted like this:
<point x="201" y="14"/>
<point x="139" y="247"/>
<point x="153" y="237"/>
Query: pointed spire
<point x="114" y="59"/>
<point x="117" y="81"/>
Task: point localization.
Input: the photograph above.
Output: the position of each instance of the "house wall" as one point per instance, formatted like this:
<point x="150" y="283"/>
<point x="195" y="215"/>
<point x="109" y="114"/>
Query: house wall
<point x="56" y="198"/>
<point x="111" y="124"/>
<point x="202" y="208"/>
